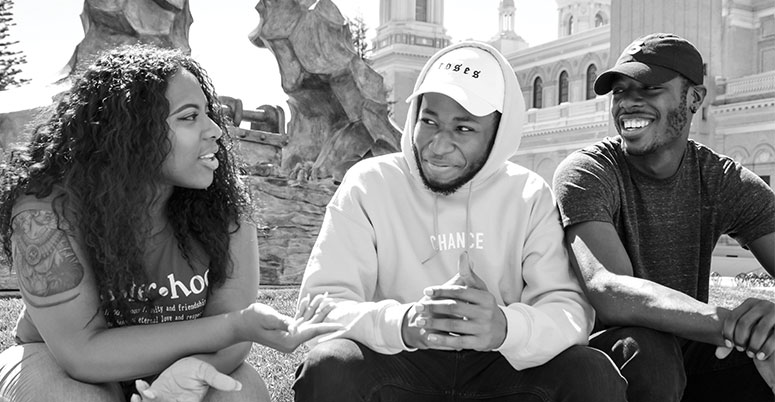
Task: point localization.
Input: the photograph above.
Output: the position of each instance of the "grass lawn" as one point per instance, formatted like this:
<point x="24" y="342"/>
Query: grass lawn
<point x="277" y="369"/>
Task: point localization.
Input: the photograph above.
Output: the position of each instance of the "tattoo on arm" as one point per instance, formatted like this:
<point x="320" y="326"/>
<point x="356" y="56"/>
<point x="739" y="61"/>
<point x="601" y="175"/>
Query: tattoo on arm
<point x="44" y="259"/>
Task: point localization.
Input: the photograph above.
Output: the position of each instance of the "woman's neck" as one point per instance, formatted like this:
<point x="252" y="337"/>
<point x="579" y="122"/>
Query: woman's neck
<point x="158" y="211"/>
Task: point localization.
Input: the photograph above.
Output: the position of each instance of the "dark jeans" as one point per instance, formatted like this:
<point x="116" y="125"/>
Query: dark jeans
<point x="344" y="370"/>
<point x="661" y="367"/>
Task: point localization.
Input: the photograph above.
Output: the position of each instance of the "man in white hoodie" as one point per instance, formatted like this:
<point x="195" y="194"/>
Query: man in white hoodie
<point x="446" y="261"/>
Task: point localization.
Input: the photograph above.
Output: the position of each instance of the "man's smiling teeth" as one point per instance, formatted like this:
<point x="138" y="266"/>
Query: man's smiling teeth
<point x="630" y="124"/>
<point x="207" y="156"/>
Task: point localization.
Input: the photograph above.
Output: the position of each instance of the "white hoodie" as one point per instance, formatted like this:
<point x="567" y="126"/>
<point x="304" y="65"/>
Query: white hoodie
<point x="382" y="225"/>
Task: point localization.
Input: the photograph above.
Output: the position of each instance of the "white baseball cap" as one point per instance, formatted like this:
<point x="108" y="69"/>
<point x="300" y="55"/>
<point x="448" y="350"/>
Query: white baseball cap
<point x="469" y="75"/>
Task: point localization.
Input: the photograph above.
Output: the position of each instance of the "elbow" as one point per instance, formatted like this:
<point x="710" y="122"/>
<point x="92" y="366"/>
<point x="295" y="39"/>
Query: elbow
<point x="242" y="351"/>
<point x="600" y="293"/>
<point x="81" y="371"/>
<point x="81" y="367"/>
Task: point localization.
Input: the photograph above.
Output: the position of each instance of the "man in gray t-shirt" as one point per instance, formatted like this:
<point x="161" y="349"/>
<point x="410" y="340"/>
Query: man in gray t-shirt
<point x="642" y="213"/>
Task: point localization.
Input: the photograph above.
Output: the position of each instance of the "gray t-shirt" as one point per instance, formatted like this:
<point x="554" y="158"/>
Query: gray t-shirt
<point x="669" y="227"/>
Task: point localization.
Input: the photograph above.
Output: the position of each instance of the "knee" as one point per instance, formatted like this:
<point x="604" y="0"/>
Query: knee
<point x="335" y="359"/>
<point x="30" y="373"/>
<point x="650" y="360"/>
<point x="330" y="368"/>
<point x="644" y="350"/>
<point x="253" y="387"/>
<point x="99" y="392"/>
<point x="592" y="376"/>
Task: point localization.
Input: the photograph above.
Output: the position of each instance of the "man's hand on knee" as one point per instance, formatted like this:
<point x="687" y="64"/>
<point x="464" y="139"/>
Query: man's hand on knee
<point x="750" y="328"/>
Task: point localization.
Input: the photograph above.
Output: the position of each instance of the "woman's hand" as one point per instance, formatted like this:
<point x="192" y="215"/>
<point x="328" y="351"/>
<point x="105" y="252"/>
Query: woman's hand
<point x="186" y="380"/>
<point x="278" y="331"/>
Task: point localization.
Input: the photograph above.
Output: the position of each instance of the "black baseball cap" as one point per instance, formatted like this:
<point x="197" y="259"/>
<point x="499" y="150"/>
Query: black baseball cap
<point x="654" y="59"/>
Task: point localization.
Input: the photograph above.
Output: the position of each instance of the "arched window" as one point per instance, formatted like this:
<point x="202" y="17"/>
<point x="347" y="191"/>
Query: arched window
<point x="591" y="76"/>
<point x="563" y="87"/>
<point x="570" y="25"/>
<point x="421" y="10"/>
<point x="599" y="20"/>
<point x="538" y="93"/>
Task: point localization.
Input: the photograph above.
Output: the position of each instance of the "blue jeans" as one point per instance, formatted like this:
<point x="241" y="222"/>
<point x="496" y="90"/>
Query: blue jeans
<point x="344" y="370"/>
<point x="662" y="367"/>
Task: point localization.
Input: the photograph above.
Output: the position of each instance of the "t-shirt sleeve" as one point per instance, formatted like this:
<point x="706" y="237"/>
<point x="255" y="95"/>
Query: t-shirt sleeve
<point x="586" y="188"/>
<point x="749" y="202"/>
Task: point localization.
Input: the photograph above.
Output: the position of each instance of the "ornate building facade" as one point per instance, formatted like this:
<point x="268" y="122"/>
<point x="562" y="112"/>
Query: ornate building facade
<point x="409" y="33"/>
<point x="735" y="37"/>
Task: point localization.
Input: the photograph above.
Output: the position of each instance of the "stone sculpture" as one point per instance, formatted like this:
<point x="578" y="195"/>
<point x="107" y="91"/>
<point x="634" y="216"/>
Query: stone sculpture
<point x="106" y="24"/>
<point x="338" y="103"/>
<point x="111" y="23"/>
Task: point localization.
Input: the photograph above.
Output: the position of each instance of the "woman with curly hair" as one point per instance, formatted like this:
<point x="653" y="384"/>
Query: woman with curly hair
<point x="131" y="238"/>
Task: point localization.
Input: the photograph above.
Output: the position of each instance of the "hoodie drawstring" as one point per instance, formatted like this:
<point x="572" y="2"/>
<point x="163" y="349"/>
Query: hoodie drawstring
<point x="468" y="215"/>
<point x="468" y="222"/>
<point x="435" y="228"/>
<point x="467" y="233"/>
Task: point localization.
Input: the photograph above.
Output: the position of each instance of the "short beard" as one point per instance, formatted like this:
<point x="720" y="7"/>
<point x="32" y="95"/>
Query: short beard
<point x="443" y="189"/>
<point x="452" y="187"/>
<point x="677" y="118"/>
<point x="676" y="122"/>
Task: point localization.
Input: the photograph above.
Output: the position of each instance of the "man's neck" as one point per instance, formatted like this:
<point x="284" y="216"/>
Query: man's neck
<point x="658" y="165"/>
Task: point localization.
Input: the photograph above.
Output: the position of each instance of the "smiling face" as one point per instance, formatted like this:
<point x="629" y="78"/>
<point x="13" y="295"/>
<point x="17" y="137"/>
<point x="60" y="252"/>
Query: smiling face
<point x="451" y="144"/>
<point x="651" y="118"/>
<point x="192" y="134"/>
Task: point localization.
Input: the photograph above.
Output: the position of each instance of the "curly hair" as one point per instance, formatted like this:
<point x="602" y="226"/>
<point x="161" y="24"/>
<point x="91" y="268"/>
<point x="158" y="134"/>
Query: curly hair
<point x="101" y="154"/>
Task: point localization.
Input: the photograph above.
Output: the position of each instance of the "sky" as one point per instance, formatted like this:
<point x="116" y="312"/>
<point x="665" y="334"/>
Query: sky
<point x="49" y="30"/>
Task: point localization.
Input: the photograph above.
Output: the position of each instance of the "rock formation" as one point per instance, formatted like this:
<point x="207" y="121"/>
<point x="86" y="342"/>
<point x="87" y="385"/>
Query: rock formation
<point x="338" y="103"/>
<point x="111" y="23"/>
